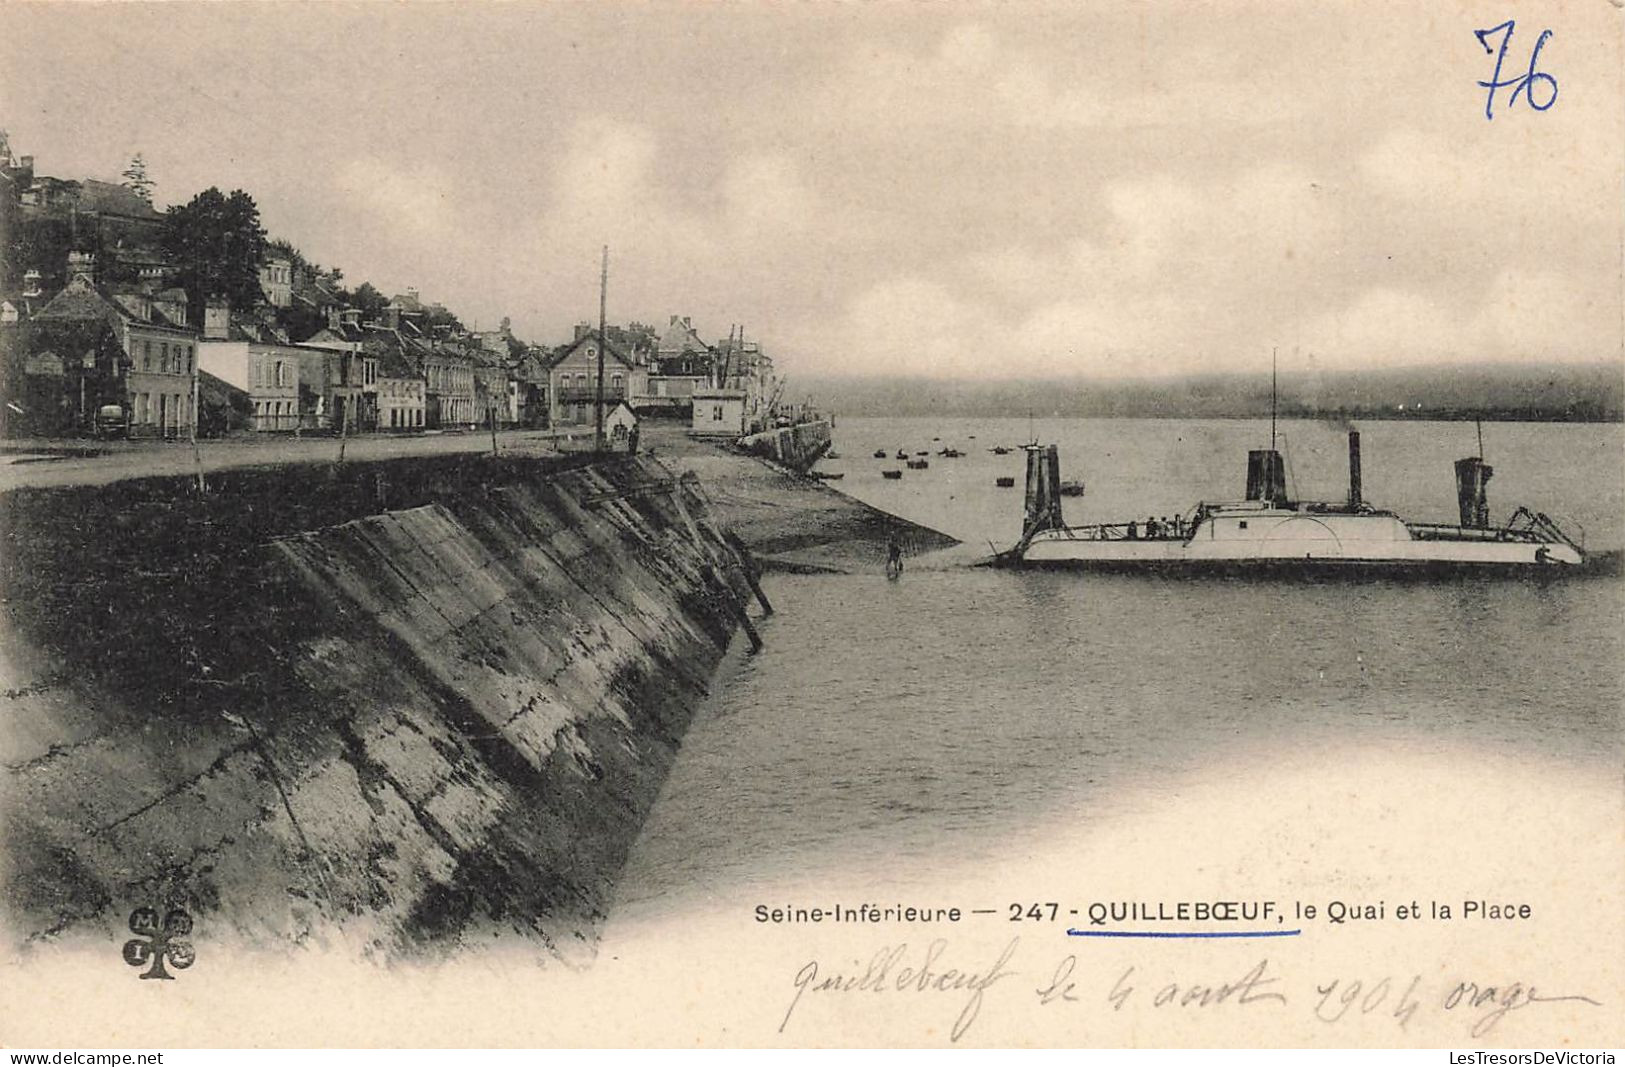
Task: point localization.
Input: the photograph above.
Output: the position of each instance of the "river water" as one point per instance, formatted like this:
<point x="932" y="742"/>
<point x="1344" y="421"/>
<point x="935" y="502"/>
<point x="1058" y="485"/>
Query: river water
<point x="974" y="728"/>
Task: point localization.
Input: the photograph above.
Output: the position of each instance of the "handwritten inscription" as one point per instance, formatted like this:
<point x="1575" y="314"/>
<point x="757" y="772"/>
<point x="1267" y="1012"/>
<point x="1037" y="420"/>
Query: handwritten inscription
<point x="887" y="973"/>
<point x="1066" y="985"/>
<point x="1525" y="84"/>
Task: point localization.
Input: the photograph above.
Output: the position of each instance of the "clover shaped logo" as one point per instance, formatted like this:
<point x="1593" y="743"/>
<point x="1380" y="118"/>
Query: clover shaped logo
<point x="160" y="942"/>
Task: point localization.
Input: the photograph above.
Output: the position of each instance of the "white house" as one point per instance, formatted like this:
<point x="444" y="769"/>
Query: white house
<point x="718" y="413"/>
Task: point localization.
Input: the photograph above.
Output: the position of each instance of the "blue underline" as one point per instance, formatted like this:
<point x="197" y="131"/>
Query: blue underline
<point x="1165" y="934"/>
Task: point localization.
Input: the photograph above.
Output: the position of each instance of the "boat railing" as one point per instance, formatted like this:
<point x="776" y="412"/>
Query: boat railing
<point x="1128" y="531"/>
<point x="1546" y="528"/>
<point x="1439" y="531"/>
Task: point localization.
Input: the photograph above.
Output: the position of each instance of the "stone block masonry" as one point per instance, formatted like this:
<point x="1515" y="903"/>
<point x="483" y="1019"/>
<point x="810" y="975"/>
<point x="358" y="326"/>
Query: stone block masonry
<point x="406" y="705"/>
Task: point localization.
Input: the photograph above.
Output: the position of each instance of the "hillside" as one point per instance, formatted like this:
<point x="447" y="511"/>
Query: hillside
<point x="1564" y="392"/>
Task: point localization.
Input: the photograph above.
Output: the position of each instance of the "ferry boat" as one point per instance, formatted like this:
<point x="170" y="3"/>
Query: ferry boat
<point x="1268" y="531"/>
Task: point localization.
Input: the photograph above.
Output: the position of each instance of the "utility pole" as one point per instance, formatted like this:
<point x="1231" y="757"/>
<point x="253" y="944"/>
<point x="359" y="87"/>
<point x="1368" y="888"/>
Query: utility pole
<point x="603" y="340"/>
<point x="197" y="454"/>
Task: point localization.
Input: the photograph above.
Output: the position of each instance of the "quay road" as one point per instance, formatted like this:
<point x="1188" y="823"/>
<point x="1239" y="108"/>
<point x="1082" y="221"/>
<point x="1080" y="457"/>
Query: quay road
<point x="74" y="462"/>
<point x="792" y="523"/>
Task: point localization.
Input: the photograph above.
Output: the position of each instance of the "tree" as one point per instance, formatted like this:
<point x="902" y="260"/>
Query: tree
<point x="439" y="316"/>
<point x="368" y="299"/>
<point x="136" y="180"/>
<point x="220" y="244"/>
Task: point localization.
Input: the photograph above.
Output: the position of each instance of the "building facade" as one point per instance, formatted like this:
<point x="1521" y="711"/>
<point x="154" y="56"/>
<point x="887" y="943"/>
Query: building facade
<point x="268" y="373"/>
<point x="153" y="379"/>
<point x="573" y="381"/>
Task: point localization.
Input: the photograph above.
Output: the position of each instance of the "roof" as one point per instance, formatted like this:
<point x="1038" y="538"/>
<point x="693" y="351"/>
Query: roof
<point x="679" y="337"/>
<point x="391" y="349"/>
<point x="564" y="352"/>
<point x="82" y="301"/>
<point x="111" y="199"/>
<point x="314" y="291"/>
<point x="347" y="332"/>
<point x="257" y="330"/>
<point x="407" y="302"/>
<point x="216" y="390"/>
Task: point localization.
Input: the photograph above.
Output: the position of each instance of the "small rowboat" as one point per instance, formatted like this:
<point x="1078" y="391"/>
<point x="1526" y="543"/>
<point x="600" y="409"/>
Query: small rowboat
<point x="893" y="474"/>
<point x="918" y="464"/>
<point x="880" y="453"/>
<point x="1005" y="483"/>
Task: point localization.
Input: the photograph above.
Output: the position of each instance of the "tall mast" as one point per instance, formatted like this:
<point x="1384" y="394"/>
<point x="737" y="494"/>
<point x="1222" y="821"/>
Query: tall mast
<point x="1272" y="400"/>
<point x="603" y="341"/>
<point x="1480" y="424"/>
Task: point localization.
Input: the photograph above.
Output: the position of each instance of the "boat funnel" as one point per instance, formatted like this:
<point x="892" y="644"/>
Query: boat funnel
<point x="1266" y="476"/>
<point x="1043" y="490"/>
<point x="1354" y="469"/>
<point x="1472" y="481"/>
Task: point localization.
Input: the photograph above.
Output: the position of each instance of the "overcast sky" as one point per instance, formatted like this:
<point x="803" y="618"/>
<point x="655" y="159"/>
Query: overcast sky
<point x="959" y="190"/>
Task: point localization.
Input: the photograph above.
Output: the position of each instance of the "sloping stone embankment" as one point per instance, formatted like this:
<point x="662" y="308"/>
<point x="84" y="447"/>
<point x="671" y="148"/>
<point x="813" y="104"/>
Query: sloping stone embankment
<point x="406" y="704"/>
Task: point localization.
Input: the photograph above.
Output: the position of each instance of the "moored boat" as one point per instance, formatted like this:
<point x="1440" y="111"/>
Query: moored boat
<point x="1270" y="531"/>
<point x="892" y="474"/>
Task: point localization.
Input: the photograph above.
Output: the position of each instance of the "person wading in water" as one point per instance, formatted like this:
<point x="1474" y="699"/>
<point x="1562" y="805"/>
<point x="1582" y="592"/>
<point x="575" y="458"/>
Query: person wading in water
<point x="894" y="558"/>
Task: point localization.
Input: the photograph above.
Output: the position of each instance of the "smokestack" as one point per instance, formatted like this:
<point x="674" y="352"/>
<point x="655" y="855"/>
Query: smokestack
<point x="1043" y="490"/>
<point x="1472" y="491"/>
<point x="1266" y="476"/>
<point x="1354" y="469"/>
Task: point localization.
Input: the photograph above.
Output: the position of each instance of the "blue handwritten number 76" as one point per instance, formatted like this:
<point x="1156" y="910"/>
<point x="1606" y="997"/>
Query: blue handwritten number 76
<point x="1525" y="83"/>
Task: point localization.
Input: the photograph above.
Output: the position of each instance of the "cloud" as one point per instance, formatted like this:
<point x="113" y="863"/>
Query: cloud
<point x="418" y="201"/>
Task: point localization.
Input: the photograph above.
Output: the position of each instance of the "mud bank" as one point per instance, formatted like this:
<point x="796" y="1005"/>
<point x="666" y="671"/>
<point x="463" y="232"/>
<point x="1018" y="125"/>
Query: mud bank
<point x="792" y="522"/>
<point x="406" y="705"/>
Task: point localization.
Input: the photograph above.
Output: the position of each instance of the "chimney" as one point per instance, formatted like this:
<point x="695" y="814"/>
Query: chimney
<point x="1472" y="491"/>
<point x="216" y="320"/>
<point x="582" y="330"/>
<point x="82" y="263"/>
<point x="1266" y="476"/>
<point x="31" y="283"/>
<point x="1043" y="504"/>
<point x="1354" y="469"/>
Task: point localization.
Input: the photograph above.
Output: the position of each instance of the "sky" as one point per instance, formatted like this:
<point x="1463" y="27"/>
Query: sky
<point x="969" y="191"/>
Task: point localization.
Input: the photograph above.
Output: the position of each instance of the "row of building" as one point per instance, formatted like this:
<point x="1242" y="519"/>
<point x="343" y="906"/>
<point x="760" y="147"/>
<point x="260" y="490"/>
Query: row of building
<point x="99" y="338"/>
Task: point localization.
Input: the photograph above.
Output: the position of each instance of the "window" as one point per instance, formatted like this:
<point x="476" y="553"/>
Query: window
<point x="163" y="356"/>
<point x="716" y="413"/>
<point x="146" y="355"/>
<point x="1242" y="525"/>
<point x="617" y="381"/>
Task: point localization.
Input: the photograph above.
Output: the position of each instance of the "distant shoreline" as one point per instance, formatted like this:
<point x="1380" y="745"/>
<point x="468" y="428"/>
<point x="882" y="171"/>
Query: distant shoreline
<point x="1296" y="416"/>
<point x="1586" y="393"/>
